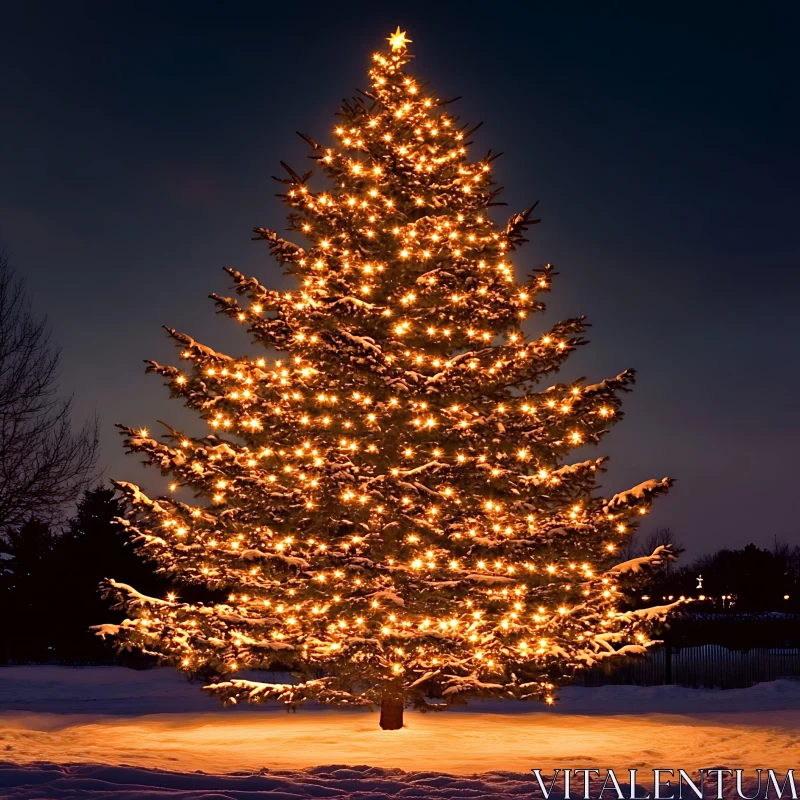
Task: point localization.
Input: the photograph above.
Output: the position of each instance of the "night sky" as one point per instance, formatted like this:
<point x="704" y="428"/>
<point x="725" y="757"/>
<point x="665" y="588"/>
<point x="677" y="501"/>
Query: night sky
<point x="138" y="140"/>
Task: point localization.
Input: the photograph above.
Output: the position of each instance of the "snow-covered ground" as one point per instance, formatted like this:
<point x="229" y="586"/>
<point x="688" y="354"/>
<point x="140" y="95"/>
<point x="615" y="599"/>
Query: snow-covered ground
<point x="119" y="730"/>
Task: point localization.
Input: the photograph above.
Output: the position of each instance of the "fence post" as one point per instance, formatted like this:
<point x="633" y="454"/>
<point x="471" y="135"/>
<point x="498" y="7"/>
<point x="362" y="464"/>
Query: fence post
<point x="668" y="664"/>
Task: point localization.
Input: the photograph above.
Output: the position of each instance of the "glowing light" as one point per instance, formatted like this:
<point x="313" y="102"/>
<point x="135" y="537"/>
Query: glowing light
<point x="399" y="458"/>
<point x="397" y="40"/>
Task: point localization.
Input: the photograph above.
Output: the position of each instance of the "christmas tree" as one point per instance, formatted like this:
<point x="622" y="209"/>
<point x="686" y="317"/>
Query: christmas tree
<point x="385" y="502"/>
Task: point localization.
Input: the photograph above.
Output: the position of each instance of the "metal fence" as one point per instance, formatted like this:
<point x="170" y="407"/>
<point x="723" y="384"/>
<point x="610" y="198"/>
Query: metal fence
<point x="706" y="666"/>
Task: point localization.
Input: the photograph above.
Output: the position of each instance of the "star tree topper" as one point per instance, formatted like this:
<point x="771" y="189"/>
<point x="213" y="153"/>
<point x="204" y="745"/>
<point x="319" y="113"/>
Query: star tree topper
<point x="398" y="41"/>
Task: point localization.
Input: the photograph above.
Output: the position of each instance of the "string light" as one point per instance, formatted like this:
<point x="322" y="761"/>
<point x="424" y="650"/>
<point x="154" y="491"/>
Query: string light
<point x="397" y="451"/>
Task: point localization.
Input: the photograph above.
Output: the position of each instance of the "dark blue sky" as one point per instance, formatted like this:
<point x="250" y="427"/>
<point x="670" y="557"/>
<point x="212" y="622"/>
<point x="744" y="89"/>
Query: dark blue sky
<point x="137" y="141"/>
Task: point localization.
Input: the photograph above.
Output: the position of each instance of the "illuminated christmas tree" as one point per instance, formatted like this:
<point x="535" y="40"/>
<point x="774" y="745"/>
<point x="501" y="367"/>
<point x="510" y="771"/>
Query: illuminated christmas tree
<point x="387" y="506"/>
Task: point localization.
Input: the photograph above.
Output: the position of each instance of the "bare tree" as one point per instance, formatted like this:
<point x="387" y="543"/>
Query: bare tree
<point x="660" y="537"/>
<point x="44" y="462"/>
<point x="638" y="545"/>
<point x="789" y="555"/>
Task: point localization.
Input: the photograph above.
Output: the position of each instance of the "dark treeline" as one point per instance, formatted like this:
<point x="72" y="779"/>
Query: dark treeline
<point x="50" y="571"/>
<point x="49" y="594"/>
<point x="49" y="584"/>
<point x="747" y="581"/>
<point x="751" y="580"/>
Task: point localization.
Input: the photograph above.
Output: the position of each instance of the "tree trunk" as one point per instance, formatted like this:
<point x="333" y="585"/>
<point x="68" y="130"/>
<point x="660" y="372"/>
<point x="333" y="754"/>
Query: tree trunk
<point x="392" y="712"/>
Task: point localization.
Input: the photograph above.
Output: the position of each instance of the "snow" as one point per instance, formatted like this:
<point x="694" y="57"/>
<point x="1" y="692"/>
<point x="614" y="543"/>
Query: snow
<point x="659" y="555"/>
<point x="366" y="783"/>
<point x="110" y="732"/>
<point x="631" y="496"/>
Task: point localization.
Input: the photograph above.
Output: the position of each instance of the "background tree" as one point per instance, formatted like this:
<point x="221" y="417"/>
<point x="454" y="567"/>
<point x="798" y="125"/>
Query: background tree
<point x="60" y="574"/>
<point x="25" y="582"/>
<point x="642" y="545"/>
<point x="387" y="505"/>
<point x="93" y="546"/>
<point x="751" y="580"/>
<point x="44" y="461"/>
